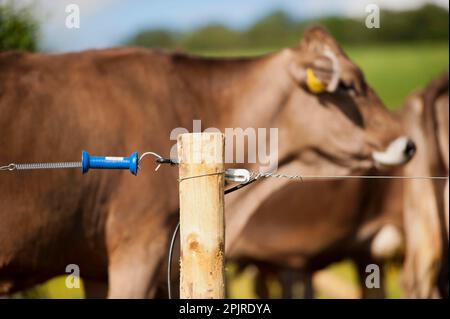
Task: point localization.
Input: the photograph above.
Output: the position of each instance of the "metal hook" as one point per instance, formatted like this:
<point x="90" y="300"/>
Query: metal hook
<point x="158" y="157"/>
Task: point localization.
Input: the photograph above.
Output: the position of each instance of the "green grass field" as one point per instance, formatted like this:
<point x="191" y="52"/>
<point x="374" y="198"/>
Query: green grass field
<point x="394" y="71"/>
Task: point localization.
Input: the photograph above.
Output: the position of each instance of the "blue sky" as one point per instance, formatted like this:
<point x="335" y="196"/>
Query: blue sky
<point x="105" y="23"/>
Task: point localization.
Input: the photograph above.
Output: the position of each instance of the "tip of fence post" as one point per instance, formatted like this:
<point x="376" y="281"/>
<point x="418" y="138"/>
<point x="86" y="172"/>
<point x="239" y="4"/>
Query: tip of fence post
<point x="205" y="148"/>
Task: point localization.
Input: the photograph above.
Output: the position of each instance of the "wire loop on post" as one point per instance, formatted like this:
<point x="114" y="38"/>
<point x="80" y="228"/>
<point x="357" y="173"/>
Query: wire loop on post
<point x="10" y="167"/>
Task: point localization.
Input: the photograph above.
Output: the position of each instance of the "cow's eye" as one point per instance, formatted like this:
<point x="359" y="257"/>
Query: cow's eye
<point x="347" y="88"/>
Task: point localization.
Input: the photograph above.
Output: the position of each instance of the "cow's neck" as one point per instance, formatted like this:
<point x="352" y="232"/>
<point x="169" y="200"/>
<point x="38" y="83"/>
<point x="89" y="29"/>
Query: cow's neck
<point x="235" y="92"/>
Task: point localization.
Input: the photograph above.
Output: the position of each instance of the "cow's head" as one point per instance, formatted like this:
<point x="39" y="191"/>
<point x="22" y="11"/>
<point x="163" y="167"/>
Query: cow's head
<point x="332" y="115"/>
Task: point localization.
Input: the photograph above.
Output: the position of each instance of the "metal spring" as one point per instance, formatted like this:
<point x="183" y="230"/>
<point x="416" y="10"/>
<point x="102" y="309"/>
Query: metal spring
<point x="47" y="165"/>
<point x="255" y="175"/>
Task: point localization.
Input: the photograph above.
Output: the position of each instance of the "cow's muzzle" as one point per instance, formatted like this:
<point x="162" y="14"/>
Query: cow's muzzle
<point x="399" y="152"/>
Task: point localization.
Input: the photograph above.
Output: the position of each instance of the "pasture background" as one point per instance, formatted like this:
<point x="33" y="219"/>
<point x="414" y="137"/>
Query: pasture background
<point x="404" y="55"/>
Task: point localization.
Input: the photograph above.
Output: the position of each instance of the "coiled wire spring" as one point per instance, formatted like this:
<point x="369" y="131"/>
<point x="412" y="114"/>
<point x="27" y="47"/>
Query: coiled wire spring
<point x="19" y="167"/>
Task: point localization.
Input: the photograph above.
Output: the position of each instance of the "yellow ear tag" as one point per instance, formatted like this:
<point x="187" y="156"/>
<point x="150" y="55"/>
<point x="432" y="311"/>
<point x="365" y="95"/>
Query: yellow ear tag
<point x="313" y="83"/>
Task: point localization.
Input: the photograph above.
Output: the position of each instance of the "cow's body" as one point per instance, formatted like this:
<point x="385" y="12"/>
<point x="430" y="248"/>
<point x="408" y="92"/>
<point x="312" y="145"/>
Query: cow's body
<point x="426" y="201"/>
<point x="116" y="226"/>
<point x="53" y="218"/>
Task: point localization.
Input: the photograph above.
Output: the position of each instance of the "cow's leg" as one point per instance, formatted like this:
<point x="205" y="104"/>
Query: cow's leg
<point x="287" y="279"/>
<point x="261" y="284"/>
<point x="95" y="289"/>
<point x="138" y="228"/>
<point x="133" y="271"/>
<point x="308" y="285"/>
<point x="137" y="252"/>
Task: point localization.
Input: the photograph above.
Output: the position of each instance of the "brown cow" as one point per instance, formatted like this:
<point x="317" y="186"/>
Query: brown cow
<point x="426" y="202"/>
<point x="116" y="226"/>
<point x="359" y="219"/>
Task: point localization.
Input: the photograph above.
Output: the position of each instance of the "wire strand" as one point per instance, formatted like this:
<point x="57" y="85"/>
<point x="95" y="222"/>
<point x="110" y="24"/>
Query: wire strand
<point x="169" y="263"/>
<point x="334" y="177"/>
<point x="201" y="175"/>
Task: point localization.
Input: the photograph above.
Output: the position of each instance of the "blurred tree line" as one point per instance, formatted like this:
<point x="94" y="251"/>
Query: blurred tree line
<point x="18" y="28"/>
<point x="278" y="29"/>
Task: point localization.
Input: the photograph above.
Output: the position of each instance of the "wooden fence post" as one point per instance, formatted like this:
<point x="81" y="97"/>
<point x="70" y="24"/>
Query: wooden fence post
<point x="202" y="227"/>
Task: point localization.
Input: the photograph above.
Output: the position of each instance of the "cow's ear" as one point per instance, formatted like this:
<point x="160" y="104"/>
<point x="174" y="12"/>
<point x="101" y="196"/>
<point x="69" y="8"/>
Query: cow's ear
<point x="315" y="64"/>
<point x="316" y="39"/>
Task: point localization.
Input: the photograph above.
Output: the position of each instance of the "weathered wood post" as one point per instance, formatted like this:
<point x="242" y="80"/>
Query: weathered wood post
<point x="202" y="227"/>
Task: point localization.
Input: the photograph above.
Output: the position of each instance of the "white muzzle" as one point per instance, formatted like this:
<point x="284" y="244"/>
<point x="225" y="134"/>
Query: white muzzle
<point x="400" y="151"/>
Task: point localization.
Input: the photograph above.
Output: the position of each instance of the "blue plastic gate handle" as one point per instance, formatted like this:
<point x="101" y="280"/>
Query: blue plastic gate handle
<point x="109" y="162"/>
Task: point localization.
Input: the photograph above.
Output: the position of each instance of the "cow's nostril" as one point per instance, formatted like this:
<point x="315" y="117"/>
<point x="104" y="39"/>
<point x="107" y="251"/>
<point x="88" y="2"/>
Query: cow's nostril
<point x="410" y="148"/>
